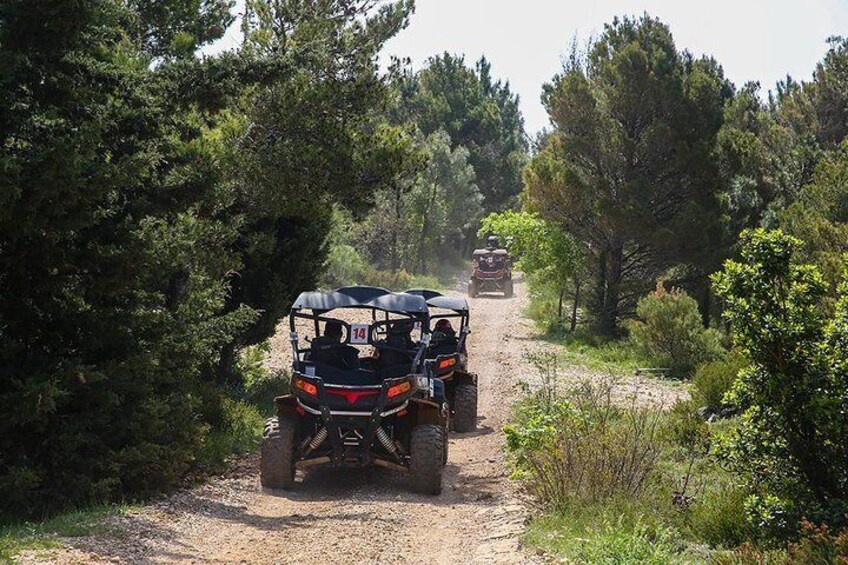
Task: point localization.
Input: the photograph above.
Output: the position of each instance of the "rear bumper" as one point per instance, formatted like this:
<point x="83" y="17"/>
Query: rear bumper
<point x="352" y="413"/>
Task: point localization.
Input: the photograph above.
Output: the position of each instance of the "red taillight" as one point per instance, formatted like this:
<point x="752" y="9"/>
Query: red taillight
<point x="399" y="389"/>
<point x="445" y="363"/>
<point x="306" y="387"/>
<point x="352" y="396"/>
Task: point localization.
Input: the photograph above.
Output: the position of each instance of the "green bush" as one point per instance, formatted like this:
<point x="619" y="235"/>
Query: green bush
<point x="344" y="266"/>
<point x="719" y="518"/>
<point x="714" y="379"/>
<point x="670" y="332"/>
<point x="579" y="446"/>
<point x="392" y="280"/>
<point x="791" y="445"/>
<point x="237" y="431"/>
<point x="684" y="427"/>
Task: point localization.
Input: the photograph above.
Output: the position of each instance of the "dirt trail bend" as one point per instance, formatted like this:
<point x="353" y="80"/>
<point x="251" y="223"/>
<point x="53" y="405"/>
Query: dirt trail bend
<point x="343" y="517"/>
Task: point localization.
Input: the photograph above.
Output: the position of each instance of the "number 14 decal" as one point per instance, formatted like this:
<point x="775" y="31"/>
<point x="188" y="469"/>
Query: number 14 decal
<point x="359" y="333"/>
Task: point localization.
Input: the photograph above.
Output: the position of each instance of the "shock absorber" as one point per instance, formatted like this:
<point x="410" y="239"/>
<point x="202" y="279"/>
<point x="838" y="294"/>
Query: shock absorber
<point x="386" y="441"/>
<point x="316" y="441"/>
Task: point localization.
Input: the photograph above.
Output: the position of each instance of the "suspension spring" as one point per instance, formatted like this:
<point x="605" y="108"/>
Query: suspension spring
<point x="386" y="441"/>
<point x="317" y="440"/>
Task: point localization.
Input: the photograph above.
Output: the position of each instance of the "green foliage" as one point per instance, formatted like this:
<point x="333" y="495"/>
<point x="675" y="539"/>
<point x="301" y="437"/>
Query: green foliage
<point x="309" y="140"/>
<point x="819" y="217"/>
<point x="115" y="264"/>
<point x="41" y="535"/>
<point x="670" y="331"/>
<point x="720" y="518"/>
<point x="157" y="213"/>
<point x="477" y="113"/>
<point x="178" y="27"/>
<point x="595" y="536"/>
<point x="792" y="443"/>
<point x="817" y="544"/>
<point x="540" y="247"/>
<point x="583" y="348"/>
<point x="235" y="430"/>
<point x="713" y="380"/>
<point x="549" y="256"/>
<point x="344" y="266"/>
<point x="414" y="224"/>
<point x="685" y="428"/>
<point x="579" y="447"/>
<point x="628" y="167"/>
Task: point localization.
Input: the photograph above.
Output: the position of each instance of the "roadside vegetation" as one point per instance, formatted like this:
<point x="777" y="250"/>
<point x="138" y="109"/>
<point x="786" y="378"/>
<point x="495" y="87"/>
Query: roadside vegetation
<point x="698" y="236"/>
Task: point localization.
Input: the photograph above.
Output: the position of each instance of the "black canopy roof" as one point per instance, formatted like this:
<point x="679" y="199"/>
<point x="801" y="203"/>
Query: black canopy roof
<point x="361" y="297"/>
<point x="438" y="300"/>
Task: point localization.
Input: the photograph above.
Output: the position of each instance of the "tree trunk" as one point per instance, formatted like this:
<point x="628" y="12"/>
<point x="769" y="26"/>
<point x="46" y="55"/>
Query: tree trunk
<point x="225" y="370"/>
<point x="609" y="314"/>
<point x="394" y="254"/>
<point x="574" y="305"/>
<point x="559" y="310"/>
<point x="598" y="300"/>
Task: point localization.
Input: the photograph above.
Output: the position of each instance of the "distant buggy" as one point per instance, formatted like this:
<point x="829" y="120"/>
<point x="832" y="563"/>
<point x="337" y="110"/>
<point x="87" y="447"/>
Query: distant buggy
<point x="351" y="407"/>
<point x="491" y="270"/>
<point x="447" y="356"/>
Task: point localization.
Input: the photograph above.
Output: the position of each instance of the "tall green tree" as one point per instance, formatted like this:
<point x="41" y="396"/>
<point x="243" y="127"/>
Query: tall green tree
<point x="420" y="221"/>
<point x="628" y="166"/>
<point x="177" y="28"/>
<point x="311" y="136"/>
<point x="478" y="113"/>
<point x="819" y="218"/>
<point x="443" y="202"/>
<point x="769" y="152"/>
<point x="113" y="261"/>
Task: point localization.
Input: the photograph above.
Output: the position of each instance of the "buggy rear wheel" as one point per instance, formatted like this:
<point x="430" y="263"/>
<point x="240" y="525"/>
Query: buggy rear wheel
<point x="473" y="289"/>
<point x="427" y="450"/>
<point x="465" y="408"/>
<point x="276" y="463"/>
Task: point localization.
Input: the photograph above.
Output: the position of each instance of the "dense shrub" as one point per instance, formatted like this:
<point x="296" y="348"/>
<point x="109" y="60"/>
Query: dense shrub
<point x="714" y="379"/>
<point x="719" y="518"/>
<point x="817" y="545"/>
<point x="344" y="266"/>
<point x="114" y="263"/>
<point x="670" y="331"/>
<point x="792" y="443"/>
<point x="684" y="427"/>
<point x="579" y="446"/>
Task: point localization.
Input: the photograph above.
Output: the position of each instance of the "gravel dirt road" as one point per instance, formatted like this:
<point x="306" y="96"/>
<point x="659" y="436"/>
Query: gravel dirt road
<point x="340" y="517"/>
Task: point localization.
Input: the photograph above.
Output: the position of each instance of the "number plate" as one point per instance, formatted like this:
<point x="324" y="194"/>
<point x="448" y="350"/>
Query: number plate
<point x="359" y="333"/>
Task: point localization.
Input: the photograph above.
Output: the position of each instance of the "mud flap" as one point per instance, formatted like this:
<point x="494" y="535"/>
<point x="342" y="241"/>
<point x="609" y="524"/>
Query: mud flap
<point x="427" y="412"/>
<point x="286" y="406"/>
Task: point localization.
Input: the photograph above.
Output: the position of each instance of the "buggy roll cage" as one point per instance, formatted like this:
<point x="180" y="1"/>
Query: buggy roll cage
<point x="314" y="305"/>
<point x="457" y="304"/>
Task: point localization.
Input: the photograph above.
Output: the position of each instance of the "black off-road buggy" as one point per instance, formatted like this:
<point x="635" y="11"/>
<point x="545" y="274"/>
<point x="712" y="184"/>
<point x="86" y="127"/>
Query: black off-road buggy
<point x="447" y="355"/>
<point x="349" y="408"/>
<point x="491" y="271"/>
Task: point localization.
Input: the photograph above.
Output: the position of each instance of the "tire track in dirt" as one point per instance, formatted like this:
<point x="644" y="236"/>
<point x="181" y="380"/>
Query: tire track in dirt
<point x="340" y="517"/>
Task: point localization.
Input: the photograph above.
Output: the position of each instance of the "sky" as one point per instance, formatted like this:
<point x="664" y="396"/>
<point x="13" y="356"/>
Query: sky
<point x="525" y="40"/>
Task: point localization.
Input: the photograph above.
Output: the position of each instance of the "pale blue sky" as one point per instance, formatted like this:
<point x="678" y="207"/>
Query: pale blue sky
<point x="525" y="40"/>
